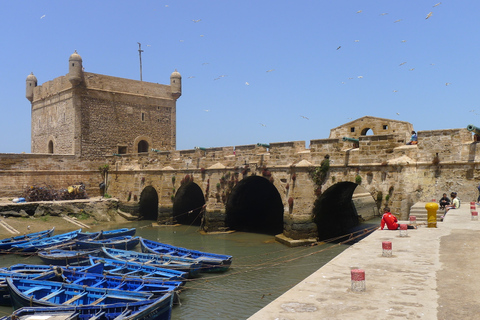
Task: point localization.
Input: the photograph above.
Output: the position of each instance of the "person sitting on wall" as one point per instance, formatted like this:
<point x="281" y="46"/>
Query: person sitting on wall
<point x="391" y="221"/>
<point x="413" y="138"/>
<point x="455" y="203"/>
<point x="444" y="201"/>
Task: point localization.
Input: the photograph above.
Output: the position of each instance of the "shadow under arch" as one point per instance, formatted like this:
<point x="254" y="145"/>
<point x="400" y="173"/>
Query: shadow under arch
<point x="149" y="203"/>
<point x="334" y="212"/>
<point x="188" y="204"/>
<point x="255" y="206"/>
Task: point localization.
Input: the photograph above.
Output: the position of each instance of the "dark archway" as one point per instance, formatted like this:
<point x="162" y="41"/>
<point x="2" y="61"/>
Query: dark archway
<point x="50" y="146"/>
<point x="367" y="132"/>
<point x="255" y="206"/>
<point x="334" y="211"/>
<point x="149" y="203"/>
<point x="188" y="203"/>
<point x="142" y="146"/>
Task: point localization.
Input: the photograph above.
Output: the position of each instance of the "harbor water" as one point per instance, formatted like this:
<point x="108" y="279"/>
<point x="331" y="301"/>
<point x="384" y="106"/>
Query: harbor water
<point x="261" y="271"/>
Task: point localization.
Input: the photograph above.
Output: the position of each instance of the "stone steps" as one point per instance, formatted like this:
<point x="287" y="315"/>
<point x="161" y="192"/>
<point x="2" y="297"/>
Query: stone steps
<point x="418" y="210"/>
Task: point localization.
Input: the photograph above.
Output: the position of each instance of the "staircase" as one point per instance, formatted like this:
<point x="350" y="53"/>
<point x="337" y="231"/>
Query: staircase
<point x="418" y="210"/>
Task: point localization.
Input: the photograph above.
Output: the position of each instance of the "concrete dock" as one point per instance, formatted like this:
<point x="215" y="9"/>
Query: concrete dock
<point x="433" y="273"/>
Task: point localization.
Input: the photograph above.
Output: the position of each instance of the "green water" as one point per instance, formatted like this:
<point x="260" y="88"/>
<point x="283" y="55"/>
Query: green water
<point x="261" y="270"/>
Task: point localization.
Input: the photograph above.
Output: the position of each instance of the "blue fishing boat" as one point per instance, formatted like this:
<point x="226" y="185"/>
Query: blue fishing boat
<point x="155" y="309"/>
<point x="61" y="257"/>
<point x="118" y="233"/>
<point x="137" y="270"/>
<point x="4" y="294"/>
<point x="40" y="268"/>
<point x="122" y="242"/>
<point x="211" y="262"/>
<point x="7" y="243"/>
<point x="36" y="245"/>
<point x="41" y="293"/>
<point x="170" y="262"/>
<point x="96" y="280"/>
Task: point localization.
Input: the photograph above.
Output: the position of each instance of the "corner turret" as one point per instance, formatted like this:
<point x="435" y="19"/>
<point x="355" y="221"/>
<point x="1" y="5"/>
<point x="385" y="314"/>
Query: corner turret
<point x="176" y="84"/>
<point x="75" y="69"/>
<point x="31" y="84"/>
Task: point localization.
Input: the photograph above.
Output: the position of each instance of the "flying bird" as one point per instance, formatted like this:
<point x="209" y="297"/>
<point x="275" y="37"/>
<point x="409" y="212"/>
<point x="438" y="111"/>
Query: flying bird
<point x="195" y="21"/>
<point x="262" y="125"/>
<point x="357" y="40"/>
<point x="447" y="83"/>
<point x="246" y="83"/>
<point x="395" y="90"/>
<point x="339" y="47"/>
<point x="191" y="77"/>
<point x="205" y="63"/>
<point x="360" y="77"/>
<point x="397" y="20"/>
<point x="411" y="69"/>
<point x="304" y="117"/>
<point x="206" y="110"/>
<point x="401" y="64"/>
<point x="437" y="4"/>
<point x="270" y="70"/>
<point x="42" y="17"/>
<point x="384" y="14"/>
<point x="398" y="113"/>
<point x="404" y="40"/>
<point x="359" y="11"/>
<point x="429" y="15"/>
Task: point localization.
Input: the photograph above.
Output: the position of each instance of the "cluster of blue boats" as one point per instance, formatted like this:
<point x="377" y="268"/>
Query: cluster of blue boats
<point x="98" y="276"/>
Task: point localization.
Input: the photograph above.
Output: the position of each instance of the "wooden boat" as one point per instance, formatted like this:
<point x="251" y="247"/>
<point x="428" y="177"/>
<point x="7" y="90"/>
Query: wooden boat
<point x="4" y="294"/>
<point x="155" y="309"/>
<point x="162" y="261"/>
<point x="60" y="257"/>
<point x="137" y="270"/>
<point x="118" y="233"/>
<point x="122" y="242"/>
<point x="41" y="293"/>
<point x="96" y="280"/>
<point x="39" y="269"/>
<point x="36" y="245"/>
<point x="7" y="243"/>
<point x="211" y="262"/>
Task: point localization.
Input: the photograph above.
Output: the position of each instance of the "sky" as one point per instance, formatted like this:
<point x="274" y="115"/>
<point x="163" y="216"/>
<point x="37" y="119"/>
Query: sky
<point x="260" y="71"/>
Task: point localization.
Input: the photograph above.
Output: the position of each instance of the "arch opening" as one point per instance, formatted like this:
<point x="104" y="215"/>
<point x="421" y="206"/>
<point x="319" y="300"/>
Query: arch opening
<point x="50" y="146"/>
<point x="334" y="211"/>
<point x="255" y="206"/>
<point x="149" y="203"/>
<point x="367" y="132"/>
<point x="142" y="146"/>
<point x="188" y="204"/>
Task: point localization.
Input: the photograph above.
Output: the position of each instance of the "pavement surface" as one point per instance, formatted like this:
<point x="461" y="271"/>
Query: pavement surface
<point x="433" y="273"/>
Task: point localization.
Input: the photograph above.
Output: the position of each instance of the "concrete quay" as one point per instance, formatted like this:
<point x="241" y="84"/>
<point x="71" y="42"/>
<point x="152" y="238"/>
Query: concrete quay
<point x="433" y="273"/>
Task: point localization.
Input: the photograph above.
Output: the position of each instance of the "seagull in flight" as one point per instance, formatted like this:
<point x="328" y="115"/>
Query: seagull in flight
<point x="206" y="110"/>
<point x="437" y="4"/>
<point x="339" y="47"/>
<point x="404" y="41"/>
<point x="397" y="20"/>
<point x="384" y="14"/>
<point x="429" y="15"/>
<point x="270" y="70"/>
<point x="395" y="90"/>
<point x="205" y="63"/>
<point x="401" y="64"/>
<point x="359" y="11"/>
<point x="246" y="83"/>
<point x="263" y="125"/>
<point x="191" y="77"/>
<point x="195" y="21"/>
<point x="398" y="113"/>
<point x="447" y="83"/>
<point x="42" y="17"/>
<point x="304" y="117"/>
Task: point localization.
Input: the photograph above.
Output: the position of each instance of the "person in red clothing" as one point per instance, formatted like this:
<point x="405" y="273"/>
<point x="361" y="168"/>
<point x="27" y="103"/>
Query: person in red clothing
<point x="391" y="221"/>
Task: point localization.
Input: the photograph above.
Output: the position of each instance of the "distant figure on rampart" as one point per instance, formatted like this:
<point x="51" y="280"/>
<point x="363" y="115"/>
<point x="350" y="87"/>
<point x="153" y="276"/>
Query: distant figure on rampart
<point x="413" y="138"/>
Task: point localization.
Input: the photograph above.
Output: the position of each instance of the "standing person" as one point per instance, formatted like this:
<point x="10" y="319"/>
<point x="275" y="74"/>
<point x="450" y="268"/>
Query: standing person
<point x="391" y="221"/>
<point x="445" y="201"/>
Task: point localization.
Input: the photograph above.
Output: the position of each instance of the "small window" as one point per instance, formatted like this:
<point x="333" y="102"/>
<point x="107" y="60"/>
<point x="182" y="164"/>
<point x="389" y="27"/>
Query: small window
<point x="50" y="146"/>
<point x="385" y="127"/>
<point x="143" y="116"/>
<point x="73" y="64"/>
<point x="122" y="150"/>
<point x="158" y="108"/>
<point x="352" y="129"/>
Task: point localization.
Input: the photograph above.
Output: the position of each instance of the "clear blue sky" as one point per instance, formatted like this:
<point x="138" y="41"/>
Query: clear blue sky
<point x="266" y="71"/>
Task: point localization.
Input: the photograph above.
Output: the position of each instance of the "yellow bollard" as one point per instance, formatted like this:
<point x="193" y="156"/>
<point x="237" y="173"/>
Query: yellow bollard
<point x="432" y="208"/>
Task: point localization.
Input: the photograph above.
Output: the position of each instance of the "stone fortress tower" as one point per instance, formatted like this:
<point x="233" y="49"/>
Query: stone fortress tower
<point x="92" y="115"/>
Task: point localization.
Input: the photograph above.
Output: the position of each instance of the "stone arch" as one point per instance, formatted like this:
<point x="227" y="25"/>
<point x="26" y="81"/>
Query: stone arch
<point x="142" y="144"/>
<point x="149" y="203"/>
<point x="334" y="211"/>
<point x="367" y="132"/>
<point x="188" y="204"/>
<point x="255" y="205"/>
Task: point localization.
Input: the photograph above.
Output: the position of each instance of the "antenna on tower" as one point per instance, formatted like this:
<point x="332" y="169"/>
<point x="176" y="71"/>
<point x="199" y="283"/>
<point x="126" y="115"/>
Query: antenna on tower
<point x="140" y="55"/>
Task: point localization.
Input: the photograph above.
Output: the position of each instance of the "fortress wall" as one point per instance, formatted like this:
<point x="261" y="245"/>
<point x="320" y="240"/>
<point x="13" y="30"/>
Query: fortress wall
<point x="450" y="144"/>
<point x="115" y="84"/>
<point x="51" y="88"/>
<point x="285" y="153"/>
<point x="379" y="126"/>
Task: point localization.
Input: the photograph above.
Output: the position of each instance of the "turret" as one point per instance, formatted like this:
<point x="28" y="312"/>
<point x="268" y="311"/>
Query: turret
<point x="31" y="84"/>
<point x="176" y="84"/>
<point x="75" y="69"/>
